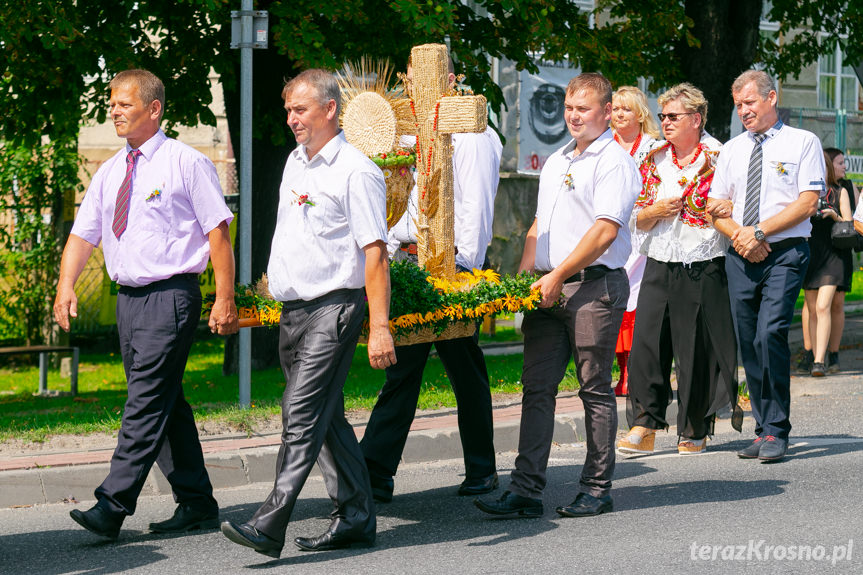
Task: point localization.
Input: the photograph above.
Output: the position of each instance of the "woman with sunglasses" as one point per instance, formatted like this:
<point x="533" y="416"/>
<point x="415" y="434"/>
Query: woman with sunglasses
<point x="683" y="308"/>
<point x="636" y="131"/>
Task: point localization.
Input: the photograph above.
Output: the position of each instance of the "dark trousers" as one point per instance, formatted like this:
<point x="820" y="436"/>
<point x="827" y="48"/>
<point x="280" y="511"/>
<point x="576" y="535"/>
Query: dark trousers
<point x="156" y="325"/>
<point x="316" y="345"/>
<point x="762" y="304"/>
<point x="683" y="313"/>
<point x="583" y="326"/>
<point x="391" y="418"/>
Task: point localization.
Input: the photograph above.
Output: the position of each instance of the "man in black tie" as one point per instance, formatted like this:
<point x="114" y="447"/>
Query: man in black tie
<point x="768" y="226"/>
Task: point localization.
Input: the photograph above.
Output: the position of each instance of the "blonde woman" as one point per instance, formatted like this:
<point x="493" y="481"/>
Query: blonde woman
<point x="636" y="131"/>
<point x="684" y="312"/>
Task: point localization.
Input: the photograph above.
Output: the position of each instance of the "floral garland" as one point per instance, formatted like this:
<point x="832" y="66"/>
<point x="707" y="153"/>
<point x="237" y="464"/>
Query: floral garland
<point x="398" y="158"/>
<point x="694" y="191"/>
<point x="419" y="300"/>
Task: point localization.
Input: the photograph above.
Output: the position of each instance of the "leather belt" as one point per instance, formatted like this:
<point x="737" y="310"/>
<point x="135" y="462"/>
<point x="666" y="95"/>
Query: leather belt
<point x="587" y="274"/>
<point x="785" y="244"/>
<point x="411" y="248"/>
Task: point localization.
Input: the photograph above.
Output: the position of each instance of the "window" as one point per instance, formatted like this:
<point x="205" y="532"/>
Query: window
<point x="837" y="84"/>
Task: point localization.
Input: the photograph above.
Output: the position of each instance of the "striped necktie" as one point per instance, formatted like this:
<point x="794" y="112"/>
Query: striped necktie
<point x="753" y="183"/>
<point x="121" y="208"/>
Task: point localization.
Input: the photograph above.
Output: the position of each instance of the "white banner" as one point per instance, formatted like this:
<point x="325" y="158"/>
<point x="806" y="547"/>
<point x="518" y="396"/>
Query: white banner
<point x="541" y="128"/>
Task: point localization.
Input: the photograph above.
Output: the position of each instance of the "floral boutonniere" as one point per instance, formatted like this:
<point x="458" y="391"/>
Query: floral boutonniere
<point x="153" y="195"/>
<point x="780" y="169"/>
<point x="567" y="181"/>
<point x="302" y="199"/>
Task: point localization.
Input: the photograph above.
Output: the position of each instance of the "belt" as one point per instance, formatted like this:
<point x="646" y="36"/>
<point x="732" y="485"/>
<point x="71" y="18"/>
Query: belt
<point x="587" y="274"/>
<point x="411" y="248"/>
<point x="785" y="244"/>
<point x="172" y="281"/>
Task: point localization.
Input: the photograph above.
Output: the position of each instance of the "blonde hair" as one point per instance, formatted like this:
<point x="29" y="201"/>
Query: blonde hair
<point x="635" y="100"/>
<point x="150" y="87"/>
<point x="593" y="81"/>
<point x="692" y="98"/>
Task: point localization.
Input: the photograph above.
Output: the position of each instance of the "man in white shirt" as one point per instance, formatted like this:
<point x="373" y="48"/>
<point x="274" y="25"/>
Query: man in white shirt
<point x="773" y="174"/>
<point x="329" y="241"/>
<point x="476" y="171"/>
<point x="580" y="241"/>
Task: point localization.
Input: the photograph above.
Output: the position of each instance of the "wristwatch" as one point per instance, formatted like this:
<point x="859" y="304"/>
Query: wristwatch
<point x="759" y="235"/>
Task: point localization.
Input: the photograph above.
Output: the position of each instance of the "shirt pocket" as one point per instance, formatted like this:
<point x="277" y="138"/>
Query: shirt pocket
<point x="782" y="174"/>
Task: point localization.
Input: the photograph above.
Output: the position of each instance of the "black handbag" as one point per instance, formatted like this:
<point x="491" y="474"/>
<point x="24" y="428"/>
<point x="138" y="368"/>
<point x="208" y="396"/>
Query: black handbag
<point x="844" y="236"/>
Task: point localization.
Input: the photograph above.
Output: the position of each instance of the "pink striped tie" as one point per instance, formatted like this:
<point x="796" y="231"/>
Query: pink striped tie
<point x="121" y="208"/>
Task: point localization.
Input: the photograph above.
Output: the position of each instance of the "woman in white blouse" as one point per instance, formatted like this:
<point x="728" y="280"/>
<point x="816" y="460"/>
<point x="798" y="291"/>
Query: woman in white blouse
<point x="636" y="131"/>
<point x="683" y="307"/>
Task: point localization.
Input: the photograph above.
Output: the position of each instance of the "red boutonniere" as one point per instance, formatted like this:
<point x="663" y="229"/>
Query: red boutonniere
<point x="302" y="199"/>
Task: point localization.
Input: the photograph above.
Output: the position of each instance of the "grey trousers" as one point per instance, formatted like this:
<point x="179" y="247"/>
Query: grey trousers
<point x="583" y="326"/>
<point x="316" y="346"/>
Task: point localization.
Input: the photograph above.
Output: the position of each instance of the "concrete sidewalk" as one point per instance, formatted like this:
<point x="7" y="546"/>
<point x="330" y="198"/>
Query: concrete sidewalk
<point x="235" y="460"/>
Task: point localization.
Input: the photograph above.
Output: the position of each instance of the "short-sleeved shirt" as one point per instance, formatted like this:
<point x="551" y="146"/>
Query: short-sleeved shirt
<point x="792" y="162"/>
<point x="330" y="207"/>
<point x="176" y="201"/>
<point x="577" y="190"/>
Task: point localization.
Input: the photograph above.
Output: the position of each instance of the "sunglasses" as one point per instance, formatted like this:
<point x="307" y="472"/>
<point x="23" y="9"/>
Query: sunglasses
<point x="674" y="117"/>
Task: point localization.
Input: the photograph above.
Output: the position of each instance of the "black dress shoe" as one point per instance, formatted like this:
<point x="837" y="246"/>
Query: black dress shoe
<point x="479" y="486"/>
<point x="586" y="505"/>
<point x="99" y="520"/>
<point x="511" y="504"/>
<point x="333" y="540"/>
<point x="772" y="448"/>
<point x="382" y="488"/>
<point x="751" y="450"/>
<point x="245" y="534"/>
<point x="187" y="518"/>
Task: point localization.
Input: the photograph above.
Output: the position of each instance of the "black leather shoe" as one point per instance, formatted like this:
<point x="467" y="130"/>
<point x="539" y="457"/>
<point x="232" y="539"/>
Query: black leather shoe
<point x="586" y="505"/>
<point x="186" y="518"/>
<point x="382" y="488"/>
<point x="332" y="540"/>
<point x="479" y="486"/>
<point x="99" y="520"/>
<point x="245" y="534"/>
<point x="511" y="504"/>
<point x="751" y="450"/>
<point x="772" y="448"/>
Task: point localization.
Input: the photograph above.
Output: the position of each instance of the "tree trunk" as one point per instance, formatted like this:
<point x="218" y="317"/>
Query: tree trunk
<point x="271" y="144"/>
<point x="728" y="31"/>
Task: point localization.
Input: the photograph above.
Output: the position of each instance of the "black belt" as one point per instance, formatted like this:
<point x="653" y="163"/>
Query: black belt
<point x="785" y="244"/>
<point x="172" y="281"/>
<point x="587" y="274"/>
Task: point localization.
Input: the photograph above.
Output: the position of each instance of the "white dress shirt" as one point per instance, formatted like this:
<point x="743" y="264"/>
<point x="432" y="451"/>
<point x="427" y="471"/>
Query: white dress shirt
<point x="792" y="163"/>
<point x="318" y="248"/>
<point x="673" y="239"/>
<point x="176" y="201"/>
<point x="574" y="191"/>
<point x="635" y="264"/>
<point x="476" y="173"/>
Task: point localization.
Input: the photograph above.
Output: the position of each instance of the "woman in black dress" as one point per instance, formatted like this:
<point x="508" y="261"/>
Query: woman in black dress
<point x="826" y="273"/>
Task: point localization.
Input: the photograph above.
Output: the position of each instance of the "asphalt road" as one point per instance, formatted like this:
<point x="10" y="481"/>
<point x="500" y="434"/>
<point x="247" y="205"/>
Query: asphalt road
<point x="705" y="514"/>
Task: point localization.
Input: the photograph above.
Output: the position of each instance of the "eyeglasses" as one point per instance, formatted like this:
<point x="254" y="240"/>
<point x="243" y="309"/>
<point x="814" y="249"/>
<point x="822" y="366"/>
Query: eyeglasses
<point x="674" y="116"/>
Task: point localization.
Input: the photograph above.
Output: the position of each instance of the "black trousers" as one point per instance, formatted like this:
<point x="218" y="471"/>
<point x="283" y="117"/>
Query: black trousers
<point x="684" y="313"/>
<point x="156" y="325"/>
<point x="391" y="418"/>
<point x="316" y="345"/>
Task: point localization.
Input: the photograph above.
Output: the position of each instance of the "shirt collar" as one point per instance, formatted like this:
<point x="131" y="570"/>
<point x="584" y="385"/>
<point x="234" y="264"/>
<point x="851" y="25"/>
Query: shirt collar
<point x="149" y="147"/>
<point x="771" y="132"/>
<point x="595" y="146"/>
<point x="328" y="153"/>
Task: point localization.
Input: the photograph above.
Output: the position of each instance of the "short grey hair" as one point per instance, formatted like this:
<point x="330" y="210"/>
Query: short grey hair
<point x="325" y="84"/>
<point x="762" y="80"/>
<point x="150" y="87"/>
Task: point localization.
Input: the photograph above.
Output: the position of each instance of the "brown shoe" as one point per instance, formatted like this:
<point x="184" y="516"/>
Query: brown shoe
<point x="691" y="446"/>
<point x="639" y="441"/>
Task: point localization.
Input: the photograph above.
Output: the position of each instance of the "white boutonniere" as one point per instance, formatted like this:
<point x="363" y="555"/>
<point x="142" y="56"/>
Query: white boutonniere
<point x="567" y="181"/>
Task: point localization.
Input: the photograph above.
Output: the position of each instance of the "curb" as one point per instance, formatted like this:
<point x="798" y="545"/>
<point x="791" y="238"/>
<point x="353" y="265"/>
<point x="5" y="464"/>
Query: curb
<point x="246" y="466"/>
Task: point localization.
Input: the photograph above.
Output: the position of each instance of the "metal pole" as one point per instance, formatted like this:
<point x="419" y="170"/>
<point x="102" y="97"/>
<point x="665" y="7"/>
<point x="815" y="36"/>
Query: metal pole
<point x="245" y="224"/>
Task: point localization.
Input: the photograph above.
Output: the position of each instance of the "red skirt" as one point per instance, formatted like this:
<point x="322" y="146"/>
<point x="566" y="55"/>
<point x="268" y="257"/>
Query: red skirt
<point x="627" y="327"/>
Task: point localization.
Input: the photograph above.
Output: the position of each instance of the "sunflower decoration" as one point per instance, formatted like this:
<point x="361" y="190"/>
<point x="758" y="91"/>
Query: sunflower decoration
<point x="375" y="113"/>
